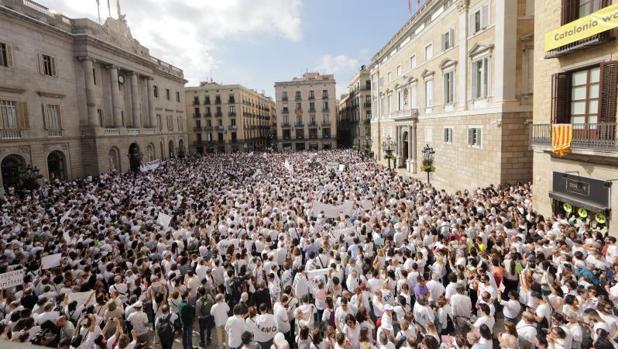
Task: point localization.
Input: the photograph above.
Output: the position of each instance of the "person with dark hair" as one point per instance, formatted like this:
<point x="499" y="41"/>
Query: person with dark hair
<point x="234" y="327"/>
<point x="266" y="327"/>
<point x="186" y="313"/>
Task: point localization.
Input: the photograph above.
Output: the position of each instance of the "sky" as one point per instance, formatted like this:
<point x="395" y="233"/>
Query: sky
<point x="255" y="42"/>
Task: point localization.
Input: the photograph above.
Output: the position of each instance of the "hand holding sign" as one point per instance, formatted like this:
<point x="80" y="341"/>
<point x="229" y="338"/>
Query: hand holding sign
<point x="50" y="261"/>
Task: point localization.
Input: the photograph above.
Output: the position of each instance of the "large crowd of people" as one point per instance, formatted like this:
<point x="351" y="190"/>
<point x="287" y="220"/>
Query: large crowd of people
<point x="303" y="250"/>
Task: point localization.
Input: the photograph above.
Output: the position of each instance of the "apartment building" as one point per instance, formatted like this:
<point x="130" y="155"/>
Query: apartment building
<point x="228" y="118"/>
<point x="575" y="84"/>
<point x="78" y="98"/>
<point x="353" y="126"/>
<point x="306" y="113"/>
<point x="457" y="77"/>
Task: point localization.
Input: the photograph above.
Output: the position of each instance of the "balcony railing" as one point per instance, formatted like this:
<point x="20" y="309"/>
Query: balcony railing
<point x="285" y="99"/>
<point x="219" y="114"/>
<point x="220" y="127"/>
<point x="299" y="124"/>
<point x="326" y="136"/>
<point x="111" y="131"/>
<point x="232" y="113"/>
<point x="593" y="40"/>
<point x="54" y="133"/>
<point x="207" y="101"/>
<point x="218" y="101"/>
<point x="148" y="131"/>
<point x="325" y="123"/>
<point x="196" y="102"/>
<point x="286" y="125"/>
<point x="133" y="131"/>
<point x="10" y="133"/>
<point x="232" y="127"/>
<point x="600" y="136"/>
<point x="300" y="136"/>
<point x="197" y="115"/>
<point x="285" y="111"/>
<point x="312" y="123"/>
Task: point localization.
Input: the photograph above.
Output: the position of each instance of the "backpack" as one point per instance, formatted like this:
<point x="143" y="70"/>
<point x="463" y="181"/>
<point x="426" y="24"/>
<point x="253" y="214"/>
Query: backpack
<point x="204" y="305"/>
<point x="165" y="331"/>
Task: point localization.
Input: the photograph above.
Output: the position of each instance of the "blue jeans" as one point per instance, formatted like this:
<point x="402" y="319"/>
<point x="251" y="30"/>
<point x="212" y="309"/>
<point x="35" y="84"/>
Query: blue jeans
<point x="187" y="336"/>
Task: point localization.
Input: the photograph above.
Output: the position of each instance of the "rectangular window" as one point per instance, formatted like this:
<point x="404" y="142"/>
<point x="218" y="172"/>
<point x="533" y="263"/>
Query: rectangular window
<point x="474" y="137"/>
<point x="284" y="95"/>
<point x="480" y="77"/>
<point x="413" y="62"/>
<point x="48" y="65"/>
<point x="167" y="94"/>
<point x="448" y="39"/>
<point x="586" y="7"/>
<point x="389" y="104"/>
<point x="177" y="96"/>
<point x="311" y="94"/>
<point x="389" y="76"/>
<point x="232" y="110"/>
<point x="51" y="116"/>
<point x="428" y="52"/>
<point x="94" y="75"/>
<point x="449" y="87"/>
<point x="479" y="19"/>
<point x="398" y="71"/>
<point x="4" y="55"/>
<point x="585" y="97"/>
<point x="155" y="90"/>
<point x="298" y="96"/>
<point x="448" y="135"/>
<point x="413" y="96"/>
<point x="324" y="94"/>
<point x="428" y="93"/>
<point x="325" y="106"/>
<point x="399" y="99"/>
<point x="8" y="114"/>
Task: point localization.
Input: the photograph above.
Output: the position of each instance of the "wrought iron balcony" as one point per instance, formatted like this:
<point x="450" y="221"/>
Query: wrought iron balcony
<point x="207" y="101"/>
<point x="218" y="114"/>
<point x="232" y="127"/>
<point x="285" y="98"/>
<point x="220" y="127"/>
<point x="197" y="129"/>
<point x="285" y="111"/>
<point x="325" y="122"/>
<point x="197" y="115"/>
<point x="196" y="102"/>
<point x="299" y="124"/>
<point x="232" y="113"/>
<point x="599" y="136"/>
<point x="286" y="125"/>
<point x="593" y="40"/>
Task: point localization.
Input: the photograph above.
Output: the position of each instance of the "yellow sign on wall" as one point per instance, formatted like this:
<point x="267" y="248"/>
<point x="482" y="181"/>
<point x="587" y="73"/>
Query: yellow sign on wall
<point x="585" y="27"/>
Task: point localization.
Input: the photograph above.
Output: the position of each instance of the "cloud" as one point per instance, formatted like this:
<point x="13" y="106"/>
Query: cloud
<point x="330" y="64"/>
<point x="342" y="66"/>
<point x="188" y="34"/>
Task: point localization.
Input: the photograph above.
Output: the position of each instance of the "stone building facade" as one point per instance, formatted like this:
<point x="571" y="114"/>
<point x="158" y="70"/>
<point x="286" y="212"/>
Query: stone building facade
<point x="353" y="126"/>
<point x="78" y="98"/>
<point x="228" y="118"/>
<point x="457" y="77"/>
<point x="576" y="84"/>
<point x="306" y="113"/>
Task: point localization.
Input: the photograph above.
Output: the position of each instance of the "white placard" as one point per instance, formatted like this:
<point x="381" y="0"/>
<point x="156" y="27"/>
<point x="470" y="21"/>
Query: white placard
<point x="164" y="220"/>
<point x="81" y="297"/>
<point x="332" y="211"/>
<point x="317" y="273"/>
<point x="341" y="168"/>
<point x="11" y="279"/>
<point x="53" y="260"/>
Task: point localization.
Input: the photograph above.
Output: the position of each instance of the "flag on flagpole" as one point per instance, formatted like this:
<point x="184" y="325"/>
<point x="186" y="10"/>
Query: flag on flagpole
<point x="562" y="136"/>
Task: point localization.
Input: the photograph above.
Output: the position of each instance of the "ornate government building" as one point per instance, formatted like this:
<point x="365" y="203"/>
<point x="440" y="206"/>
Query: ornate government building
<point x="78" y="98"/>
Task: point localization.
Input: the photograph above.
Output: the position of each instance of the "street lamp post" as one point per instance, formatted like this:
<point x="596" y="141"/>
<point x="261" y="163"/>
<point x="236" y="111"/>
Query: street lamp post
<point x="428" y="154"/>
<point x="389" y="146"/>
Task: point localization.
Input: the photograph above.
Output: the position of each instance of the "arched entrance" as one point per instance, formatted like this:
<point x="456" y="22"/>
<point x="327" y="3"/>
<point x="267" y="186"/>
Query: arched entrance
<point x="171" y="147"/>
<point x="56" y="165"/>
<point x="114" y="160"/>
<point x="135" y="157"/>
<point x="181" y="148"/>
<point x="10" y="170"/>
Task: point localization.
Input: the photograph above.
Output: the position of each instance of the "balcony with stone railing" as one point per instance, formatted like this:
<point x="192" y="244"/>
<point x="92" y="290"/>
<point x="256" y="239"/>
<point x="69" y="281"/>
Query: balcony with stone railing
<point x="599" y="137"/>
<point x="54" y="133"/>
<point x="10" y="133"/>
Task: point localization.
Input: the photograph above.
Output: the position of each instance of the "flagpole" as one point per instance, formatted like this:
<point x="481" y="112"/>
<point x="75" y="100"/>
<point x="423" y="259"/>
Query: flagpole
<point x="99" y="10"/>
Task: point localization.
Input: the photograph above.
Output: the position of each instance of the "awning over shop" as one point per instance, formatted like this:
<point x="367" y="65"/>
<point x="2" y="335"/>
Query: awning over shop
<point x="577" y="202"/>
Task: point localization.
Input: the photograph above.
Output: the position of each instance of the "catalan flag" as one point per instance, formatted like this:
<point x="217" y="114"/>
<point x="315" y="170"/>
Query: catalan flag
<point x="561" y="137"/>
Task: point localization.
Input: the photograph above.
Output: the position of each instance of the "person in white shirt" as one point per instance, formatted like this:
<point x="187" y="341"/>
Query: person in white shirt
<point x="461" y="308"/>
<point x="139" y="321"/>
<point x="436" y="289"/>
<point x="235" y="327"/>
<point x="423" y="314"/>
<point x="281" y="316"/>
<point x="219" y="312"/>
<point x="511" y="308"/>
<point x="484" y="318"/>
<point x="266" y="327"/>
<point x="526" y="328"/>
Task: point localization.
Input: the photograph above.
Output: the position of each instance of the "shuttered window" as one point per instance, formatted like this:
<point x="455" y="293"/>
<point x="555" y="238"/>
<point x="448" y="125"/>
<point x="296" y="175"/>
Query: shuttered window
<point x="5" y="55"/>
<point x="8" y="114"/>
<point x="585" y="97"/>
<point x="474" y="137"/>
<point x="574" y="9"/>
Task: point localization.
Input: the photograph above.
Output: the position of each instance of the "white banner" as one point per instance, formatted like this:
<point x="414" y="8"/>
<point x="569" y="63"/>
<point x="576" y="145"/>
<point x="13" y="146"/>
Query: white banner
<point x="151" y="166"/>
<point x="341" y="168"/>
<point x="317" y="273"/>
<point x="288" y="166"/>
<point x="53" y="260"/>
<point x="82" y="298"/>
<point x="164" y="220"/>
<point x="332" y="211"/>
<point x="11" y="279"/>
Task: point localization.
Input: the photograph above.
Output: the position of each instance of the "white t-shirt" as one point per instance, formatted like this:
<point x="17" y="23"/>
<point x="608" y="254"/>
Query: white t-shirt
<point x="266" y="327"/>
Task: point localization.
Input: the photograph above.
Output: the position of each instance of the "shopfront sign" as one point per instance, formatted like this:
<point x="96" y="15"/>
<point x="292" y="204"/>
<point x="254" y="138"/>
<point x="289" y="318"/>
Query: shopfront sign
<point x="593" y="194"/>
<point x="585" y="27"/>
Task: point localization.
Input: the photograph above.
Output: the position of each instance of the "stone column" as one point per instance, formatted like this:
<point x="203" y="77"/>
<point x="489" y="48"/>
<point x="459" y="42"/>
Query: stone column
<point x="116" y="100"/>
<point x="462" y="67"/>
<point x="93" y="117"/>
<point x="506" y="51"/>
<point x="413" y="147"/>
<point x="135" y="101"/>
<point x="151" y="112"/>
